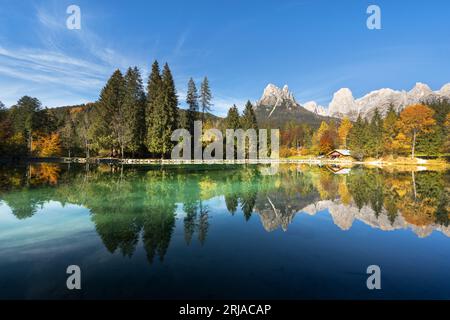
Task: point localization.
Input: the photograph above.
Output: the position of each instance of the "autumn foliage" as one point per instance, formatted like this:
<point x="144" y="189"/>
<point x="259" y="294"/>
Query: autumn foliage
<point x="415" y="120"/>
<point x="47" y="145"/>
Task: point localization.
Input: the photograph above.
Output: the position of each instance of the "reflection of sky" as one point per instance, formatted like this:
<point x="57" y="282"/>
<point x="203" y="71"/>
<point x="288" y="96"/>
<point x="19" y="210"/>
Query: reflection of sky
<point x="216" y="203"/>
<point x="239" y="259"/>
<point x="51" y="223"/>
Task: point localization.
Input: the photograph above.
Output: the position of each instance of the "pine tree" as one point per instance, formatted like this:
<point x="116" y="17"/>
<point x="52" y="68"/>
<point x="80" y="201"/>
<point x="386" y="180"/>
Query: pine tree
<point x="374" y="145"/>
<point x="192" y="102"/>
<point x="205" y="97"/>
<point x="389" y="131"/>
<point x="134" y="108"/>
<point x="25" y="118"/>
<point x="169" y="110"/>
<point x="358" y="138"/>
<point x="232" y="121"/>
<point x="109" y="120"/>
<point x="153" y="114"/>
<point x="248" y="119"/>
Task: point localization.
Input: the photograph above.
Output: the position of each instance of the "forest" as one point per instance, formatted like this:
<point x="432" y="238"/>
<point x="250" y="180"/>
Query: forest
<point x="130" y="121"/>
<point x="125" y="121"/>
<point x="421" y="129"/>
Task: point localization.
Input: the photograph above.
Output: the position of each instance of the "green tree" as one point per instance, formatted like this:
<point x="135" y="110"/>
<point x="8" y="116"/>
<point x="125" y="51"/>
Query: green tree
<point x="374" y="144"/>
<point x="205" y="97"/>
<point x="169" y="109"/>
<point x="192" y="102"/>
<point x="25" y="118"/>
<point x="232" y="121"/>
<point x="389" y="131"/>
<point x="68" y="134"/>
<point x="358" y="138"/>
<point x="134" y="111"/>
<point x="154" y="116"/>
<point x="109" y="120"/>
<point x="248" y="119"/>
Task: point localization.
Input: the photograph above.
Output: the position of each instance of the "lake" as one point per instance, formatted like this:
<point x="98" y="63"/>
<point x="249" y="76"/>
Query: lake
<point x="243" y="231"/>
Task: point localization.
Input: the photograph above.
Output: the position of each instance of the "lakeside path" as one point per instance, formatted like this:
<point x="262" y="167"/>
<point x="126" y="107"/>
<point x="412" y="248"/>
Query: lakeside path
<point x="420" y="163"/>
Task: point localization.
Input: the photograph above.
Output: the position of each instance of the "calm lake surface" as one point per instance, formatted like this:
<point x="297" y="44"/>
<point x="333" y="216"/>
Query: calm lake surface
<point x="291" y="232"/>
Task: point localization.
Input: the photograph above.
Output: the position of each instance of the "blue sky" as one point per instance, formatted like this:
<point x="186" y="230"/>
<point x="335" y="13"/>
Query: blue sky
<point x="316" y="47"/>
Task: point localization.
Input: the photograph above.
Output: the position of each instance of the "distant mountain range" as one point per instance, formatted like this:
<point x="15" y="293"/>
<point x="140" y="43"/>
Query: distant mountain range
<point x="278" y="105"/>
<point x="344" y="104"/>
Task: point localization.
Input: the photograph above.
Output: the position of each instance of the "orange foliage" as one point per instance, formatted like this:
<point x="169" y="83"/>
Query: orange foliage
<point x="44" y="173"/>
<point x="47" y="145"/>
<point x="326" y="143"/>
<point x="286" y="152"/>
<point x="415" y="120"/>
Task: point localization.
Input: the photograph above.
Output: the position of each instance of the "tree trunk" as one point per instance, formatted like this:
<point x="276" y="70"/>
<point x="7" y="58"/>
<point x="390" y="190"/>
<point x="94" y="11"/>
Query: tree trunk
<point x="30" y="147"/>
<point x="87" y="148"/>
<point x="414" y="185"/>
<point x="413" y="145"/>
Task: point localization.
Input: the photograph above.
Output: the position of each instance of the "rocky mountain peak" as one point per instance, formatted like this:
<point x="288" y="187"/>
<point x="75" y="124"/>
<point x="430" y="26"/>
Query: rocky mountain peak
<point x="273" y="96"/>
<point x="343" y="103"/>
<point x="420" y="90"/>
<point x="445" y="90"/>
<point x="315" y="108"/>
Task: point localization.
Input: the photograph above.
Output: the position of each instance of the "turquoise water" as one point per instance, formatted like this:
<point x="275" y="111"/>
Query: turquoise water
<point x="293" y="231"/>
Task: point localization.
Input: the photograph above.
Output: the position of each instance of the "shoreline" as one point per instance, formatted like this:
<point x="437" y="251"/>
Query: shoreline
<point x="311" y="161"/>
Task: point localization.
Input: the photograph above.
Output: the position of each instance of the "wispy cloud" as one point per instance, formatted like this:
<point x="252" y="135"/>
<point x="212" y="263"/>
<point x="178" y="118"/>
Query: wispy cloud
<point x="73" y="72"/>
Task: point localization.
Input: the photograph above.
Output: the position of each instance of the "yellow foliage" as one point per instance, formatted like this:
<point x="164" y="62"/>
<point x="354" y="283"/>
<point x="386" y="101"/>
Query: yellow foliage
<point x="343" y="131"/>
<point x="47" y="145"/>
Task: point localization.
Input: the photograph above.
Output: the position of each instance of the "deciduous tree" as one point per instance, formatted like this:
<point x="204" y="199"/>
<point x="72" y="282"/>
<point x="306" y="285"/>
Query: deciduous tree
<point x="344" y="130"/>
<point x="416" y="120"/>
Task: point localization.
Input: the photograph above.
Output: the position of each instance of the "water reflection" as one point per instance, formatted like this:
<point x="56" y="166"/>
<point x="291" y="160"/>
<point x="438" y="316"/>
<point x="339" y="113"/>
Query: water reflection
<point x="132" y="204"/>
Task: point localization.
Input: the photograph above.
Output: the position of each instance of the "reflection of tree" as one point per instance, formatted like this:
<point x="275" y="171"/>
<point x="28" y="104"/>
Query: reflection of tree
<point x="159" y="218"/>
<point x="190" y="220"/>
<point x="231" y="201"/>
<point x="117" y="231"/>
<point x="248" y="200"/>
<point x="23" y="204"/>
<point x="419" y="197"/>
<point x="44" y="173"/>
<point x="203" y="224"/>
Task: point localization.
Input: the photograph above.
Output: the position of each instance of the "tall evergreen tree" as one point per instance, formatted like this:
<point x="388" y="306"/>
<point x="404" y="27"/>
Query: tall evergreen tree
<point x="192" y="102"/>
<point x="109" y="120"/>
<point x="248" y="119"/>
<point x="134" y="108"/>
<point x="232" y="121"/>
<point x="205" y="97"/>
<point x="374" y="144"/>
<point x="170" y="109"/>
<point x="153" y="115"/>
<point x="390" y="131"/>
<point x="25" y="118"/>
<point x="358" y="138"/>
